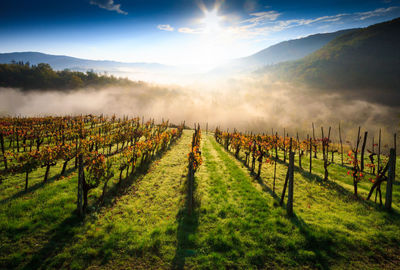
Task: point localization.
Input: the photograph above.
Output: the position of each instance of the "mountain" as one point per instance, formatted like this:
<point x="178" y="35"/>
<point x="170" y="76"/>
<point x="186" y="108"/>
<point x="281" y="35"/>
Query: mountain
<point x="284" y="51"/>
<point x="364" y="63"/>
<point x="61" y="62"/>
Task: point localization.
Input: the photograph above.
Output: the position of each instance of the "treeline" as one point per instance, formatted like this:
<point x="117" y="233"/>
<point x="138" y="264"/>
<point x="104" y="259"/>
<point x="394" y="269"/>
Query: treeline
<point x="43" y="77"/>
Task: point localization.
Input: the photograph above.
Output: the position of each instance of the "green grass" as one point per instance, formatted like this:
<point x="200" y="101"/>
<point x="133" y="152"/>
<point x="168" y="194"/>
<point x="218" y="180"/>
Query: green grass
<point x="361" y="234"/>
<point x="237" y="222"/>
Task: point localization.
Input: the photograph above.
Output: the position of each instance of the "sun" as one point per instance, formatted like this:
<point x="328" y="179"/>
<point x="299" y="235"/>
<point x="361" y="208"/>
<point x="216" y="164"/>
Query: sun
<point x="211" y="21"/>
<point x="210" y="49"/>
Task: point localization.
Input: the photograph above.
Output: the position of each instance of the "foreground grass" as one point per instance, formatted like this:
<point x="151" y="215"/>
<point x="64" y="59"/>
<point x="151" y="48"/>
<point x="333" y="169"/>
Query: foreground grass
<point x="38" y="228"/>
<point x="239" y="225"/>
<point x="353" y="233"/>
<point x="237" y="222"/>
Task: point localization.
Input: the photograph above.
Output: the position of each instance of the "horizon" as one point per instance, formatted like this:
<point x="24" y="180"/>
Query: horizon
<point x="198" y="35"/>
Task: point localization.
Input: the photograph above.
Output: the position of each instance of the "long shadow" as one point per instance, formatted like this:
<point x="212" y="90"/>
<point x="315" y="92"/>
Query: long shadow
<point x="321" y="243"/>
<point x="60" y="237"/>
<point x="187" y="225"/>
<point x="324" y="244"/>
<point x="35" y="186"/>
<point x="119" y="190"/>
<point x="254" y="176"/>
<point x="344" y="193"/>
<point x="64" y="233"/>
<point x="311" y="177"/>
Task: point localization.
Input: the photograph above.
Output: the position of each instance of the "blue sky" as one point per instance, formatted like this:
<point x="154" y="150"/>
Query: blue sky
<point x="184" y="32"/>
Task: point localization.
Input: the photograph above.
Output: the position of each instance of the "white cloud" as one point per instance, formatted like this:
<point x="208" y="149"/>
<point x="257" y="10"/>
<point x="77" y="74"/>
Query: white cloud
<point x="165" y="27"/>
<point x="108" y="5"/>
<point x="260" y="17"/>
<point x="265" y="23"/>
<point x="375" y="13"/>
<point x="187" y="30"/>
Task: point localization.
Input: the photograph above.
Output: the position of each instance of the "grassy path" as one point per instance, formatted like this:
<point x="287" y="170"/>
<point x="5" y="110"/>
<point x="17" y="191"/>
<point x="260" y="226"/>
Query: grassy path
<point x="139" y="230"/>
<point x="239" y="225"/>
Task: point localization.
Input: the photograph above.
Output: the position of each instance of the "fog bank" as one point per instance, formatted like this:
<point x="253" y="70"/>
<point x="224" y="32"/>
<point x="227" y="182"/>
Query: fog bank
<point x="247" y="104"/>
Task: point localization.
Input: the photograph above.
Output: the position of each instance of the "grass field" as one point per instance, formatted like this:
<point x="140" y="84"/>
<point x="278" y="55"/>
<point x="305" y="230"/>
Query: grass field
<point x="237" y="224"/>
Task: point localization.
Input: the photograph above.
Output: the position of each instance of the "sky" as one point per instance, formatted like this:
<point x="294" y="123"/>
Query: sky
<point x="190" y="33"/>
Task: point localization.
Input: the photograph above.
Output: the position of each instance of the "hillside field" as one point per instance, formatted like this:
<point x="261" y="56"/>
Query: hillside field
<point x="237" y="222"/>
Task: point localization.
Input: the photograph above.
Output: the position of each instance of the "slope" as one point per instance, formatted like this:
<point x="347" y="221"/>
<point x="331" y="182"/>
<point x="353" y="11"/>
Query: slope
<point x="364" y="63"/>
<point x="284" y="51"/>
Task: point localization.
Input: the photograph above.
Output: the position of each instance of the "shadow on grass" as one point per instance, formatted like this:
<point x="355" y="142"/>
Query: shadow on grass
<point x="342" y="192"/>
<point x="187" y="227"/>
<point x="325" y="245"/>
<point x="60" y="237"/>
<point x="254" y="176"/>
<point x="65" y="232"/>
<point x="36" y="186"/>
<point x="119" y="190"/>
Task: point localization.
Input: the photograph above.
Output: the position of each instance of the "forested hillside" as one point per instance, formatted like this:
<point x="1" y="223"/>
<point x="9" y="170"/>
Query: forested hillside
<point x="365" y="61"/>
<point x="43" y="77"/>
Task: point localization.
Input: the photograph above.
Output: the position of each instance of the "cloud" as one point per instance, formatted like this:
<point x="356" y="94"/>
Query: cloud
<point x="260" y="17"/>
<point x="108" y="5"/>
<point x="165" y="27"/>
<point x="187" y="30"/>
<point x="375" y="13"/>
<point x="266" y="22"/>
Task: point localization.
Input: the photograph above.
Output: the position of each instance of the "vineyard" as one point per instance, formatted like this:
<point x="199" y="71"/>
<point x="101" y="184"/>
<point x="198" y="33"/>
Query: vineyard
<point x="104" y="192"/>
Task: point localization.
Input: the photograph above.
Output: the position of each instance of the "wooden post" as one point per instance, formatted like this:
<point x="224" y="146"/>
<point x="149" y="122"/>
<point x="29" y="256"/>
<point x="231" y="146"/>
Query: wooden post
<point x="284" y="187"/>
<point x="390" y="180"/>
<point x="298" y="145"/>
<point x="313" y="133"/>
<point x="276" y="159"/>
<point x="373" y="144"/>
<point x="190" y="184"/>
<point x="363" y="149"/>
<point x="80" y="185"/>
<point x="289" y="206"/>
<point x="276" y="146"/>
<point x="310" y="155"/>
<point x="3" y="150"/>
<point x="76" y="152"/>
<point x="287" y="177"/>
<point x="356" y="168"/>
<point x="341" y="144"/>
<point x="284" y="145"/>
<point x="379" y="151"/>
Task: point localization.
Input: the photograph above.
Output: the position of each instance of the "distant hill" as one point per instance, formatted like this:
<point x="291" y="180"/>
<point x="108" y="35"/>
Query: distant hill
<point x="61" y="62"/>
<point x="365" y="62"/>
<point x="284" y="51"/>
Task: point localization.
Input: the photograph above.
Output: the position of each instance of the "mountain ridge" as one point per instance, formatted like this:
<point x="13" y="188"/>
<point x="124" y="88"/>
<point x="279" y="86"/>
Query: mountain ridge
<point x="287" y="50"/>
<point x="364" y="63"/>
<point x="60" y="62"/>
